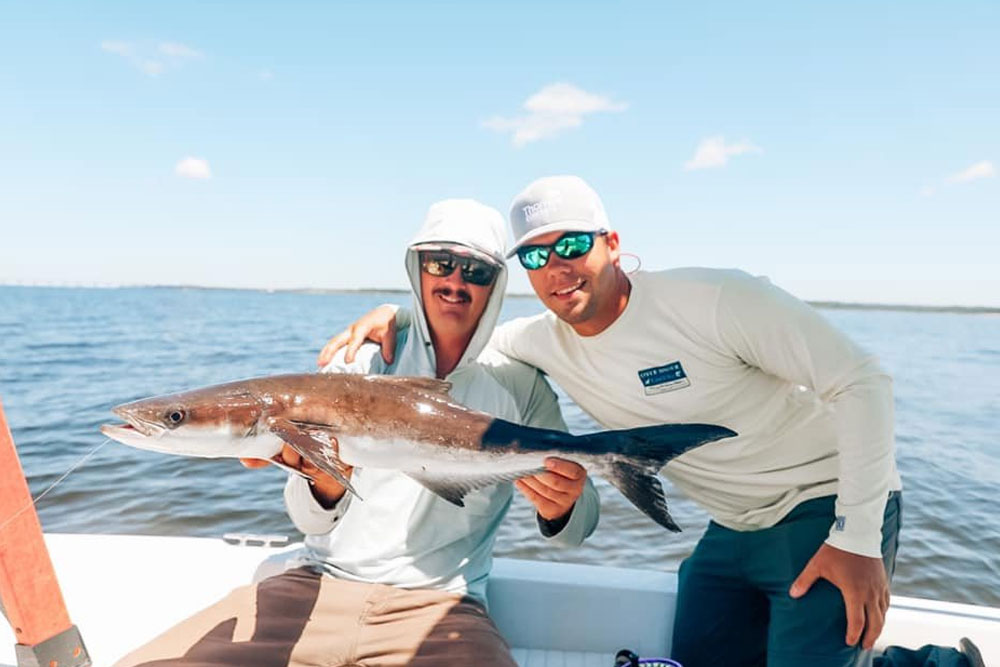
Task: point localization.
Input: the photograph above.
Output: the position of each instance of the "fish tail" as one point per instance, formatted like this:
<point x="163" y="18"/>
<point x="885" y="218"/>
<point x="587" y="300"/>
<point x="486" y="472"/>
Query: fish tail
<point x="637" y="454"/>
<point x="644" y="490"/>
<point x="655" y="445"/>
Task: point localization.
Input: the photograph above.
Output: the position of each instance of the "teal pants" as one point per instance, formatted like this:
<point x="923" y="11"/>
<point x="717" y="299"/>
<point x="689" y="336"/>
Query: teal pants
<point x="733" y="607"/>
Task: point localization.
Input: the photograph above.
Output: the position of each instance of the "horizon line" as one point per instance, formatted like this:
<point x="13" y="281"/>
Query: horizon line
<point x="832" y="305"/>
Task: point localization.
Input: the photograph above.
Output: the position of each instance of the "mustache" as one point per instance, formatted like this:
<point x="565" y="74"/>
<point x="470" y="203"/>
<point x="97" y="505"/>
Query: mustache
<point x="447" y="291"/>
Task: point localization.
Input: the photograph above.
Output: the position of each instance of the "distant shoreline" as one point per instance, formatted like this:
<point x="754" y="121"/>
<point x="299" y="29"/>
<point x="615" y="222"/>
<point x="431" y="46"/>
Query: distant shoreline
<point x="832" y="305"/>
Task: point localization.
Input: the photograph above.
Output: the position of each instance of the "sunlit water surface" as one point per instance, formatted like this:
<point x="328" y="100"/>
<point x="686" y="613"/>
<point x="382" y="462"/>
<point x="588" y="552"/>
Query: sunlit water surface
<point x="68" y="355"/>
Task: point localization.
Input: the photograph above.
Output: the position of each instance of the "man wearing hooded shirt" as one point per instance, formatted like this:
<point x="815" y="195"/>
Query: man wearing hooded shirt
<point x="400" y="578"/>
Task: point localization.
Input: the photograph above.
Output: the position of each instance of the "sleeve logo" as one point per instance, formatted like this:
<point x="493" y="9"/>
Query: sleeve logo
<point x="661" y="379"/>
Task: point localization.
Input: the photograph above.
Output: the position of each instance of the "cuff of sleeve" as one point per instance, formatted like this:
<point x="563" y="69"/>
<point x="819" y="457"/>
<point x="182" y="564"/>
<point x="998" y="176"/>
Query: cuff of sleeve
<point x="856" y="535"/>
<point x="555" y="526"/>
<point x="403" y="318"/>
<point x="310" y="513"/>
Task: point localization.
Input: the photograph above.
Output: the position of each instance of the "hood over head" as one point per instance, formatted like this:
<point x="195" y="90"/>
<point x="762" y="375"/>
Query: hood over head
<point x="468" y="227"/>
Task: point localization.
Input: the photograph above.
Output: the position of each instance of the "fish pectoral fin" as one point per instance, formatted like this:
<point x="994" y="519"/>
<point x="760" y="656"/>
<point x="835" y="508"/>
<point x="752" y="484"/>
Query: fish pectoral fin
<point x="320" y="452"/>
<point x="454" y="488"/>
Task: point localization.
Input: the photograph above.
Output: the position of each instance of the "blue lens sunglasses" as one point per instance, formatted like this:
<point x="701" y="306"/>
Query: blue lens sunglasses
<point x="568" y="246"/>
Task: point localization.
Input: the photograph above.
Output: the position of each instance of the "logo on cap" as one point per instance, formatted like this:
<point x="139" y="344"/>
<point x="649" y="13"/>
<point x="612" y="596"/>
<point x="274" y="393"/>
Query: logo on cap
<point x="542" y="209"/>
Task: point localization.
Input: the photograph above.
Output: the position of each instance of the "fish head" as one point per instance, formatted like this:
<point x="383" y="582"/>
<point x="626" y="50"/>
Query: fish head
<point x="213" y="422"/>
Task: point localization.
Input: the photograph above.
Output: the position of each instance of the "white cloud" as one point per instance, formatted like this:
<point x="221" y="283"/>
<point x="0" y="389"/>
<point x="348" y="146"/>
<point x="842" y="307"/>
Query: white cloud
<point x="552" y="110"/>
<point x="193" y="167"/>
<point x="984" y="169"/>
<point x="564" y="99"/>
<point x="180" y="51"/>
<point x="715" y="152"/>
<point x="149" y="60"/>
<point x="265" y="75"/>
<point x="527" y="129"/>
<point x="978" y="171"/>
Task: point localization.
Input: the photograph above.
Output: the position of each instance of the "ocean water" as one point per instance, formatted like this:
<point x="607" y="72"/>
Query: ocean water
<point x="68" y="355"/>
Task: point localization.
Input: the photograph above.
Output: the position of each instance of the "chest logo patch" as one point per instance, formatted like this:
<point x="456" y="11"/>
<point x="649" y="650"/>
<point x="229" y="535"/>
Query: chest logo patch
<point x="661" y="379"/>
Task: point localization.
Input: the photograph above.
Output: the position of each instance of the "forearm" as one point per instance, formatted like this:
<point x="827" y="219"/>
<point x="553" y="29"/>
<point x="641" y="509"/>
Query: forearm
<point x="864" y="419"/>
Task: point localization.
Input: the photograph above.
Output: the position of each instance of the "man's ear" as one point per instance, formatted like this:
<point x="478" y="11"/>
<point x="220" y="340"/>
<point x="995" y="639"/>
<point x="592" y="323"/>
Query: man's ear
<point x="614" y="247"/>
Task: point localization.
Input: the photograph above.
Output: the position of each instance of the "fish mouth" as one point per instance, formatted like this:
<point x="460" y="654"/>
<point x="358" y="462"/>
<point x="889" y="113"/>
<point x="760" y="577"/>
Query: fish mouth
<point x="134" y="428"/>
<point x="135" y="435"/>
<point x="120" y="431"/>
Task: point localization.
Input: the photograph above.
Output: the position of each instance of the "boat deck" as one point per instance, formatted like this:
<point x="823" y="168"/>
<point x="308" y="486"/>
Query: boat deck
<point x="122" y="591"/>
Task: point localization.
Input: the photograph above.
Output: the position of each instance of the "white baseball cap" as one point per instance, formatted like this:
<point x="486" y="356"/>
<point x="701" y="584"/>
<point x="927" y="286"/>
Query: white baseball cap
<point x="555" y="204"/>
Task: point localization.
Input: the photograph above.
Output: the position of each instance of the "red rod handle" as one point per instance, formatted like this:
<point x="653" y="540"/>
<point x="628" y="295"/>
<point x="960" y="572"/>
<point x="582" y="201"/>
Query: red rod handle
<point x="28" y="585"/>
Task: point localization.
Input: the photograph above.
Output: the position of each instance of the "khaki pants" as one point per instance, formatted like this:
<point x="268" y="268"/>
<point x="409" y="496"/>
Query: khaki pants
<point x="303" y="618"/>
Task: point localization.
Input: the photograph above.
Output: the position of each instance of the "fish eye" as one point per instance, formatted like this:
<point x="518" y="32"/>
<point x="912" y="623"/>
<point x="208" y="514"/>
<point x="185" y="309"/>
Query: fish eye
<point x="175" y="417"/>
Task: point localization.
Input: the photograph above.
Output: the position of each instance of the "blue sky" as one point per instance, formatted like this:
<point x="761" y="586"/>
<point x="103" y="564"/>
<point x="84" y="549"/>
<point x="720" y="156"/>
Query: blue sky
<point x="848" y="151"/>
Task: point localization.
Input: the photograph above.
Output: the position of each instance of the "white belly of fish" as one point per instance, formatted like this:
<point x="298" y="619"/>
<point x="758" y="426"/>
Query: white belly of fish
<point x="413" y="456"/>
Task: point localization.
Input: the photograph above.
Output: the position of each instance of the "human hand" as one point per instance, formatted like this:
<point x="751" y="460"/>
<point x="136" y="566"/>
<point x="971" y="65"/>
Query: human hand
<point x="555" y="491"/>
<point x="378" y="326"/>
<point x="325" y="488"/>
<point x="863" y="583"/>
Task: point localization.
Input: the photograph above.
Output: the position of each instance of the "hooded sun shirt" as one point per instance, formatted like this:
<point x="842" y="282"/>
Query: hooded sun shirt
<point x="402" y="534"/>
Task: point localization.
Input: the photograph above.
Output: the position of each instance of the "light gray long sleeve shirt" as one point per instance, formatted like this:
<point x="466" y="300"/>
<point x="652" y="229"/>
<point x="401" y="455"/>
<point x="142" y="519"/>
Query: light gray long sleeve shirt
<point x="814" y="412"/>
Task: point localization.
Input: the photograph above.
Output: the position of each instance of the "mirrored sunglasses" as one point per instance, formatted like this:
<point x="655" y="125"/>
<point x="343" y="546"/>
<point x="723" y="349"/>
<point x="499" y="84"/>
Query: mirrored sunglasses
<point x="474" y="271"/>
<point x="568" y="246"/>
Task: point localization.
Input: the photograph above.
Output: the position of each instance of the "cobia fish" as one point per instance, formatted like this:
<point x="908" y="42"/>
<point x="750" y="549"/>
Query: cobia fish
<point x="409" y="424"/>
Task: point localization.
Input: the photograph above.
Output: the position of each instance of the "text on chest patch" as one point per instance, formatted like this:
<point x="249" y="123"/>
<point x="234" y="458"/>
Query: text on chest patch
<point x="661" y="379"/>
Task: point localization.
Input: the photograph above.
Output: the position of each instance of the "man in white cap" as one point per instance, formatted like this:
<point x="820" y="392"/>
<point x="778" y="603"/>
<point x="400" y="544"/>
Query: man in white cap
<point x="400" y="578"/>
<point x="805" y="501"/>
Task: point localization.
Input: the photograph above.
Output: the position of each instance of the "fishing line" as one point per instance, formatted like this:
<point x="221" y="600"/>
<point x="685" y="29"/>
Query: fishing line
<point x="86" y="457"/>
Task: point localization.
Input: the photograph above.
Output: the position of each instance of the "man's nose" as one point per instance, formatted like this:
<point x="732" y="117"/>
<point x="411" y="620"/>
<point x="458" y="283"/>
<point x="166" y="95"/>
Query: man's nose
<point x="454" y="279"/>
<point x="557" y="264"/>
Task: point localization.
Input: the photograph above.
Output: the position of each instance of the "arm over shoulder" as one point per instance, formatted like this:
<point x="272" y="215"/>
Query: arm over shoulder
<point x="522" y="338"/>
<point x="368" y="361"/>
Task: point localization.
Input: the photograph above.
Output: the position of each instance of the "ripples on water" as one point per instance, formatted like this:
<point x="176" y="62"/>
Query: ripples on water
<point x="68" y="355"/>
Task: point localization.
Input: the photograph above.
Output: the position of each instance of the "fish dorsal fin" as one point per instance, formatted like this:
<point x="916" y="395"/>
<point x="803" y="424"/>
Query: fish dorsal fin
<point x="430" y="385"/>
<point x="454" y="488"/>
